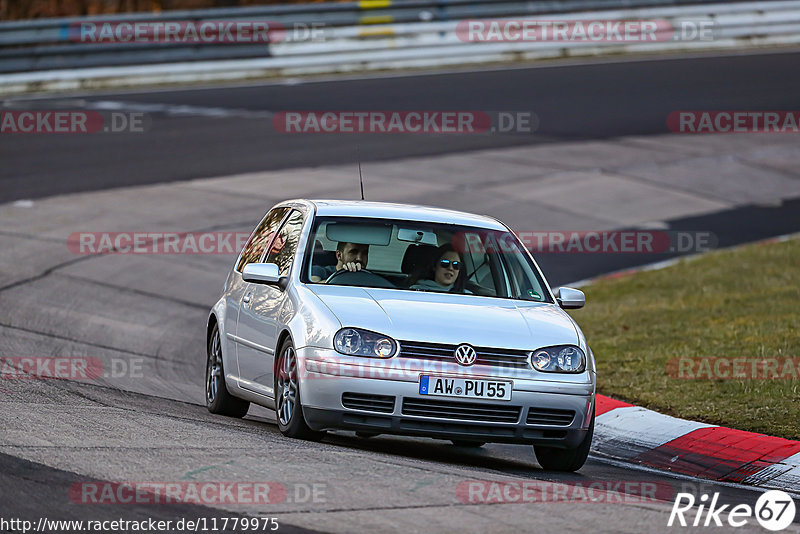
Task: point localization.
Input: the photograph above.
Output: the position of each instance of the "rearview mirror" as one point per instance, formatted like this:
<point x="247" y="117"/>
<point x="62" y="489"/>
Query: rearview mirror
<point x="570" y="299"/>
<point x="423" y="237"/>
<point x="263" y="273"/>
<point x="363" y="234"/>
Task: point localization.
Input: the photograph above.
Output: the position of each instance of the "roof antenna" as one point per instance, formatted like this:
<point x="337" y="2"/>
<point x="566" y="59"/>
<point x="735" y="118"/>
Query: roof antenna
<point x="360" y="179"/>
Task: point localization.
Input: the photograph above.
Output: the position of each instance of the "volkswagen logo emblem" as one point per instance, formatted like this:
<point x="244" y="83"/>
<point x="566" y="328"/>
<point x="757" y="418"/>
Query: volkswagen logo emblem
<point x="465" y="355"/>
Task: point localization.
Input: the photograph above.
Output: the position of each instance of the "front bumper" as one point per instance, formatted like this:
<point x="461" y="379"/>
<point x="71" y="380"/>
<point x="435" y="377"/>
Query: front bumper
<point x="325" y="376"/>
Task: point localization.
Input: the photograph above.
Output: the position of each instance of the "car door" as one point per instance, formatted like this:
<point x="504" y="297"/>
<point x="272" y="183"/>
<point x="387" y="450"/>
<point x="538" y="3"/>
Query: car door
<point x="252" y="252"/>
<point x="261" y="305"/>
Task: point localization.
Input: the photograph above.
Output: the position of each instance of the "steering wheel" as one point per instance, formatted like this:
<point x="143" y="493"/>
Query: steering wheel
<point x="359" y="278"/>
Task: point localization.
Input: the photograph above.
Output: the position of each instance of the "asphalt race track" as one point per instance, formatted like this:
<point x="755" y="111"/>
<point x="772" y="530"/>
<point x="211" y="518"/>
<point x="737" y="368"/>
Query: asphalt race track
<point x="150" y="310"/>
<point x="584" y="101"/>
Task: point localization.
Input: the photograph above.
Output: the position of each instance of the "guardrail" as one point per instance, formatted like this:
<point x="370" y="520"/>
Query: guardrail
<point x="49" y="44"/>
<point x="358" y="36"/>
<point x="725" y="22"/>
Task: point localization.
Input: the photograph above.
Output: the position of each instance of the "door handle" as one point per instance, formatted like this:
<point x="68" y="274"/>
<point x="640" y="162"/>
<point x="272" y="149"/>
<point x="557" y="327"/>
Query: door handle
<point x="246" y="300"/>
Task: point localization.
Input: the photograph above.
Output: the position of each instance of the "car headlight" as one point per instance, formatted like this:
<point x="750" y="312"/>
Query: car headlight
<point x="357" y="342"/>
<point x="560" y="359"/>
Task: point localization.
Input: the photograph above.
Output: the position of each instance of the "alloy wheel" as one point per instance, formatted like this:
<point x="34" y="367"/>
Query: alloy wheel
<point x="287" y="386"/>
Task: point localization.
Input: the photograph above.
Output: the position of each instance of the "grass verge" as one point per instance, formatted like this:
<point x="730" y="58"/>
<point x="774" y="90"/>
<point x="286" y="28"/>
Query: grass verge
<point x="738" y="303"/>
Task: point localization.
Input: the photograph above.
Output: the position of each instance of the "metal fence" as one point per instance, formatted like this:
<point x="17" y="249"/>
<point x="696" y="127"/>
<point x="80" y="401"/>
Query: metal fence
<point x="46" y="44"/>
<point x="367" y="35"/>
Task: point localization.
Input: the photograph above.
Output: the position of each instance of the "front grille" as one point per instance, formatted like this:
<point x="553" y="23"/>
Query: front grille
<point x="470" y="411"/>
<point x="548" y="416"/>
<point x="370" y="403"/>
<point x="517" y="359"/>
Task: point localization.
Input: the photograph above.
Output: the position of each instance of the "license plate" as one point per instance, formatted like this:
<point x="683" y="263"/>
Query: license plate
<point x="467" y="388"/>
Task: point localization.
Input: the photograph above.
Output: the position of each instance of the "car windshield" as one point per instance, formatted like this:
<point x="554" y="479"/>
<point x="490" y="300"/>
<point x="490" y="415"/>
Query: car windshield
<point x="421" y="256"/>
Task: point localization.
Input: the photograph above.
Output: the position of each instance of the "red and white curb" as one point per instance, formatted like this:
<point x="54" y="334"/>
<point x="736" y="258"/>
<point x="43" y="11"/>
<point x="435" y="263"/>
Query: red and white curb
<point x="638" y="435"/>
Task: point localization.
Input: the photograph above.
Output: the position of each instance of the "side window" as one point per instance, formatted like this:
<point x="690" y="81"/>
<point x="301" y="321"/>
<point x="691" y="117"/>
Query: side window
<point x="478" y="262"/>
<point x="283" y="248"/>
<point x="258" y="241"/>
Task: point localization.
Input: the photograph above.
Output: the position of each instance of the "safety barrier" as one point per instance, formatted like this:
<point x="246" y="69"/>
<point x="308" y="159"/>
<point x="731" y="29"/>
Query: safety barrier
<point x="371" y="34"/>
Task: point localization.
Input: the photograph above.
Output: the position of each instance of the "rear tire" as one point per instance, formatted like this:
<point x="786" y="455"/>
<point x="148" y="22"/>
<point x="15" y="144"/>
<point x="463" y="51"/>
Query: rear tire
<point x="569" y="460"/>
<point x="218" y="399"/>
<point x="288" y="408"/>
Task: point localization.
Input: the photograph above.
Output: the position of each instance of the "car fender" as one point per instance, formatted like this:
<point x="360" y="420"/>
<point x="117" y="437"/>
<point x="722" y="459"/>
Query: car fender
<point x="584" y="346"/>
<point x="228" y="359"/>
<point x="308" y="321"/>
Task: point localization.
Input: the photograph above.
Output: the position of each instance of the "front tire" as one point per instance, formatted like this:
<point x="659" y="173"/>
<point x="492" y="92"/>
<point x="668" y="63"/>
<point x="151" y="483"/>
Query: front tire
<point x="218" y="399"/>
<point x="288" y="408"/>
<point x="567" y="460"/>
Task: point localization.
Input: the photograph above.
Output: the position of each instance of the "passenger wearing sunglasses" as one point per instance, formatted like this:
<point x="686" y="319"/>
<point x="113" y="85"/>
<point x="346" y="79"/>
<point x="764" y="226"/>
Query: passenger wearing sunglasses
<point x="446" y="274"/>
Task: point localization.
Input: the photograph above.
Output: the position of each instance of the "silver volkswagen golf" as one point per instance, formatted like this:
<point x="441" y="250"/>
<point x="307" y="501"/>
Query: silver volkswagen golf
<point x="397" y="319"/>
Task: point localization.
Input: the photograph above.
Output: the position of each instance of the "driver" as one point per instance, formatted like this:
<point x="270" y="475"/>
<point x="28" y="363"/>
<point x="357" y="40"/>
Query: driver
<point x="349" y="257"/>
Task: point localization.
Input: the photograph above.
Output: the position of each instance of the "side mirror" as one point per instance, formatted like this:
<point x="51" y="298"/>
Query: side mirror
<point x="570" y="299"/>
<point x="264" y="273"/>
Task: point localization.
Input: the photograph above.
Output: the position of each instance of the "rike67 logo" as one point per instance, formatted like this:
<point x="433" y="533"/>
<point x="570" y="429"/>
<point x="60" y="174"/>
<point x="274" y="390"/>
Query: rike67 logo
<point x="774" y="510"/>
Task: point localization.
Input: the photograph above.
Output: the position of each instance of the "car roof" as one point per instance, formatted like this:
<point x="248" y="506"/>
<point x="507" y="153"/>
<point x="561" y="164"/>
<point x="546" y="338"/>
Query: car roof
<point x="409" y="212"/>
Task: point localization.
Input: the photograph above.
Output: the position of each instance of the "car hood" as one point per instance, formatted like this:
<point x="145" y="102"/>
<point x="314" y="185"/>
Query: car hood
<point x="451" y="319"/>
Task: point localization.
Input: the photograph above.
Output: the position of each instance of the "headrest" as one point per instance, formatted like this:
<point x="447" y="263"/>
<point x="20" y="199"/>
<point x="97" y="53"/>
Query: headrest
<point x="322" y="256"/>
<point x="417" y="257"/>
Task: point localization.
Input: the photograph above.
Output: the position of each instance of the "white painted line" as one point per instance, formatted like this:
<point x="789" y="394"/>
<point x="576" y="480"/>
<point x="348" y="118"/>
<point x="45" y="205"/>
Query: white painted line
<point x="175" y="110"/>
<point x="623" y="433"/>
<point x="693" y="480"/>
<point x="793" y="461"/>
<point x="785" y="474"/>
<point x="631" y="430"/>
<point x="320" y="78"/>
<point x="788" y="479"/>
<point x="178" y="110"/>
